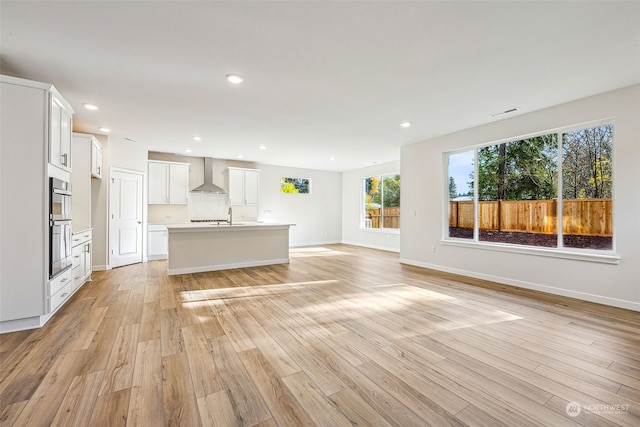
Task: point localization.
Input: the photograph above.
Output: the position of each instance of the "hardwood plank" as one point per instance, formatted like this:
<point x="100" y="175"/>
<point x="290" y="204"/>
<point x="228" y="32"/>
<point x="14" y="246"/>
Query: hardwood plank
<point x="217" y="410"/>
<point x="10" y="413"/>
<point x="205" y="375"/>
<point x="111" y="409"/>
<point x="357" y="411"/>
<point x="78" y="403"/>
<point x="286" y="410"/>
<point x="341" y="334"/>
<point x="179" y="399"/>
<point x="146" y="400"/>
<point x="246" y="399"/>
<point x="314" y="401"/>
<point x="171" y="332"/>
<point x="119" y="371"/>
<point x="46" y="400"/>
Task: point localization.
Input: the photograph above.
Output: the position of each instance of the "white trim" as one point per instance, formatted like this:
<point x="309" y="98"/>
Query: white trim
<point x="381" y="248"/>
<point x="614" y="302"/>
<point x="216" y="267"/>
<point x="604" y="258"/>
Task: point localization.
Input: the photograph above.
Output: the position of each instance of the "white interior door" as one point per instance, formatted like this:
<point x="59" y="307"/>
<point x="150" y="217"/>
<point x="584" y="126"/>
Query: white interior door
<point x="125" y="218"/>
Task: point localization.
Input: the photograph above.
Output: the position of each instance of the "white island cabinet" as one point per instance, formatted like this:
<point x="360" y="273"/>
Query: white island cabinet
<point x="199" y="247"/>
<point x="35" y="128"/>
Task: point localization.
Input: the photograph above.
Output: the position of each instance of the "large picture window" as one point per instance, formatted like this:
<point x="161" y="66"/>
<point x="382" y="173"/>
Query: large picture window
<point x="551" y="190"/>
<point x="381" y="202"/>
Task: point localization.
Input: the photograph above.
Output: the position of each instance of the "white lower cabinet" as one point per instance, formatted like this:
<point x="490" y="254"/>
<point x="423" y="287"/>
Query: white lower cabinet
<point x="60" y="288"/>
<point x="81" y="262"/>
<point x="157" y="242"/>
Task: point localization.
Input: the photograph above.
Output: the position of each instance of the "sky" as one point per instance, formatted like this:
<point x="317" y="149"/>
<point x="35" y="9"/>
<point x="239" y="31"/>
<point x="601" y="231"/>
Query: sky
<point x="460" y="167"/>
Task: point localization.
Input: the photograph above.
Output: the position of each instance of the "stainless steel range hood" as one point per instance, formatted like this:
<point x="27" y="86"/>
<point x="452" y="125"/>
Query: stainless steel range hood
<point x="209" y="186"/>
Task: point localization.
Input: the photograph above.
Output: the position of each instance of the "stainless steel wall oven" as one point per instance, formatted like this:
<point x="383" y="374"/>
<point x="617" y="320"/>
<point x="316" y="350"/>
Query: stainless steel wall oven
<point x="59" y="226"/>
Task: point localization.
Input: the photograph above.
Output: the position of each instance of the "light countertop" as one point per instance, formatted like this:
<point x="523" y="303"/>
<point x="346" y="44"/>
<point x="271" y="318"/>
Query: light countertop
<point x="214" y="227"/>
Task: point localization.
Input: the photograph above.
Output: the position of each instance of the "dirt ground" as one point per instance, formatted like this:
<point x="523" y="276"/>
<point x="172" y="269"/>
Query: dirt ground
<point x="535" y="239"/>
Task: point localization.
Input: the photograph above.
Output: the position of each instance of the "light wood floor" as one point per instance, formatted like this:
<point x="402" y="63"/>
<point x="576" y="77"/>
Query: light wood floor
<point x="340" y="336"/>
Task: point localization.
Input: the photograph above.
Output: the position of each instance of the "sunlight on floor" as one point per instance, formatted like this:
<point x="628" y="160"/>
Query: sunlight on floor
<point x="245" y="291"/>
<point x="443" y="312"/>
<point x="313" y="251"/>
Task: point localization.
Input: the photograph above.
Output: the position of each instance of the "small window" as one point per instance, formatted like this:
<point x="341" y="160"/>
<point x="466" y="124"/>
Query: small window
<point x="381" y="202"/>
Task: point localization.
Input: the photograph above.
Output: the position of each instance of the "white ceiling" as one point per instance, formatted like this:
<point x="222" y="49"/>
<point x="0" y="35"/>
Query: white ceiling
<point x="322" y="79"/>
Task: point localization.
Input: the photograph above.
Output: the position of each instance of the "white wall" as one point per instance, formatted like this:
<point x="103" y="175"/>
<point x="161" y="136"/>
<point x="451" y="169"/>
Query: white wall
<point x="352" y="233"/>
<point x="317" y="215"/>
<point x="423" y="185"/>
<point x="120" y="153"/>
<point x="99" y="206"/>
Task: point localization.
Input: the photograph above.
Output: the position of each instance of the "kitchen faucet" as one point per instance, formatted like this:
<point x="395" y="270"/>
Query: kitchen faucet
<point x="230" y="213"/>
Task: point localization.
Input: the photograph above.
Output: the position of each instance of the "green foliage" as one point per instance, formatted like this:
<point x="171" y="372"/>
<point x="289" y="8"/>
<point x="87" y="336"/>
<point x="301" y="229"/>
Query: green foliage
<point x="383" y="191"/>
<point x="519" y="170"/>
<point x="453" y="188"/>
<point x="586" y="163"/>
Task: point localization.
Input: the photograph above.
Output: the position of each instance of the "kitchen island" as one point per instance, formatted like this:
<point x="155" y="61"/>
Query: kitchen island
<point x="199" y="247"/>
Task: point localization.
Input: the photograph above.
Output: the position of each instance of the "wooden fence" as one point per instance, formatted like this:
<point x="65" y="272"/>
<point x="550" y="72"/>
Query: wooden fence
<point x="589" y="217"/>
<point x="391" y="218"/>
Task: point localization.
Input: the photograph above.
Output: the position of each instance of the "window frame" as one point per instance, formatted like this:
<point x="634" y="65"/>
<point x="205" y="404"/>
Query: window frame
<point x="363" y="206"/>
<point x="608" y="256"/>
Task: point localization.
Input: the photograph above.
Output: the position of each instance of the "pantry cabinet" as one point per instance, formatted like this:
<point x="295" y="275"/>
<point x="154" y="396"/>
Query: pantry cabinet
<point x="36" y="130"/>
<point x="168" y="183"/>
<point x="96" y="158"/>
<point x="60" y="132"/>
<point x="244" y="186"/>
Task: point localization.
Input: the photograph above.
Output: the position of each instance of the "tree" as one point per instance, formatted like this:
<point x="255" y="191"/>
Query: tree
<point x="453" y="189"/>
<point x="586" y="163"/>
<point x="391" y="191"/>
<point x="519" y="170"/>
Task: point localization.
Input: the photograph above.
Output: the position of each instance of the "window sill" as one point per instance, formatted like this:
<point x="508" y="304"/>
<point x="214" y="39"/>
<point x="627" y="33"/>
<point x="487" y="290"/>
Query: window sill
<point x="607" y="257"/>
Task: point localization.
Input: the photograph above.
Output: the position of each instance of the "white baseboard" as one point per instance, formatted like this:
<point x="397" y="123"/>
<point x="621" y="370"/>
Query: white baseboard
<point x="614" y="302"/>
<point x="382" y="248"/>
<point x="226" y="266"/>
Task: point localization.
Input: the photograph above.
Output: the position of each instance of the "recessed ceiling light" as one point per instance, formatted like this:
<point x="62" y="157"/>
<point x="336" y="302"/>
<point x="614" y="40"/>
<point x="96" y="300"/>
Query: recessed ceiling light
<point x="234" y="78"/>
<point x="263" y="147"/>
<point x="187" y="150"/>
<point x="197" y="138"/>
<point x="239" y="156"/>
<point x="333" y="159"/>
<point x="105" y="130"/>
<point x="90" y="106"/>
<point x="405" y="124"/>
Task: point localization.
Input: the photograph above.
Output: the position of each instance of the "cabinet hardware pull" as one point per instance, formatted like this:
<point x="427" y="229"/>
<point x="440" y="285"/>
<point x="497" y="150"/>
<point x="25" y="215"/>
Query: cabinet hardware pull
<point x="63" y="295"/>
<point x="63" y="280"/>
<point x="64" y="159"/>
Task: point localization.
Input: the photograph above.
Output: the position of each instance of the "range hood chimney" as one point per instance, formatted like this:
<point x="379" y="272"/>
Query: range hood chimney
<point x="209" y="186"/>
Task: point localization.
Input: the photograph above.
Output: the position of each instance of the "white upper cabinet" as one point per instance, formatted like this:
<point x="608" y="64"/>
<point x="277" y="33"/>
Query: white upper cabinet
<point x="168" y="183"/>
<point x="244" y="186"/>
<point x="60" y="133"/>
<point x="96" y="158"/>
